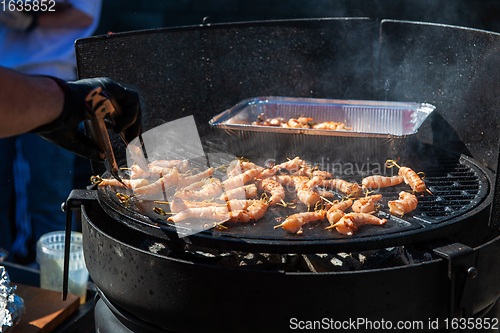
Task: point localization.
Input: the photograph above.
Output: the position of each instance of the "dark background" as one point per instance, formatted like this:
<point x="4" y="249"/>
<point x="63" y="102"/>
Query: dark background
<point x="127" y="15"/>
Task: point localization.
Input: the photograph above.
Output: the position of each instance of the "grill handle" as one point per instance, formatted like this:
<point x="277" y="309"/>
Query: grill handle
<point x="75" y="200"/>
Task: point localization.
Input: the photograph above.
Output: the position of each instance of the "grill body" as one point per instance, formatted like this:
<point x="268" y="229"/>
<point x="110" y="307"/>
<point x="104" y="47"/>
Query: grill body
<point x="184" y="296"/>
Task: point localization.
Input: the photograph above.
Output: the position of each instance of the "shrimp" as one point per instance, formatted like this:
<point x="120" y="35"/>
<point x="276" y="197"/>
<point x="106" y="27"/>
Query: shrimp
<point x="181" y="165"/>
<point x="366" y="204"/>
<point x="289" y="180"/>
<point x="306" y="193"/>
<point x="350" y="223"/>
<point x="406" y="203"/>
<point x="351" y="189"/>
<point x="296" y="123"/>
<point x="211" y="188"/>
<point x="239" y="180"/>
<point x="219" y="213"/>
<point x="410" y="177"/>
<point x="188" y="180"/>
<point x="237" y="167"/>
<point x="295" y="222"/>
<point x="376" y="181"/>
<point x="336" y="211"/>
<point x="332" y="126"/>
<point x="247" y="191"/>
<point x="291" y="166"/>
<point x="274" y="188"/>
<point x="168" y="180"/>
<point x="253" y="212"/>
<point x="262" y="120"/>
<point x="312" y="171"/>
<point x="178" y="205"/>
<point x="132" y="183"/>
<point x="153" y="171"/>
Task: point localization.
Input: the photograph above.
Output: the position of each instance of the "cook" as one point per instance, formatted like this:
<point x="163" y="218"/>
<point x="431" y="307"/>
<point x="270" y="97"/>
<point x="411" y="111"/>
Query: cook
<point x="53" y="109"/>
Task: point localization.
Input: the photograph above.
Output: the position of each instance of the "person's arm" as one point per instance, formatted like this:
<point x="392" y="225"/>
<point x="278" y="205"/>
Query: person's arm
<point x="27" y="102"/>
<point x="54" y="109"/>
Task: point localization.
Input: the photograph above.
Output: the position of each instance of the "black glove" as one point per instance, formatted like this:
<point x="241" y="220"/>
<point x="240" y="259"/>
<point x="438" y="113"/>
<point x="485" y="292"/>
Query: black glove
<point x="64" y="132"/>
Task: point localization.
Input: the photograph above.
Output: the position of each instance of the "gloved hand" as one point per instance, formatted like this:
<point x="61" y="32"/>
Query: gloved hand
<point x="18" y="20"/>
<point x="64" y="132"/>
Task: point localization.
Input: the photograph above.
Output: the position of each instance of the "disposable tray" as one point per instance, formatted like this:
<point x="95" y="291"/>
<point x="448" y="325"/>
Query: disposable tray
<point x="378" y="126"/>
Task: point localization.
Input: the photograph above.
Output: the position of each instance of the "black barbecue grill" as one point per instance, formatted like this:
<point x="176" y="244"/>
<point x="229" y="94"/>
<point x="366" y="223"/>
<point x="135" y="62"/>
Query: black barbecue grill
<point x="149" y="277"/>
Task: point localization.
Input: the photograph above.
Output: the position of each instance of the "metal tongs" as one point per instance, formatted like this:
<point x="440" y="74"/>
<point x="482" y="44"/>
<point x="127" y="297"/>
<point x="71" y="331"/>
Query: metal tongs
<point x="102" y="108"/>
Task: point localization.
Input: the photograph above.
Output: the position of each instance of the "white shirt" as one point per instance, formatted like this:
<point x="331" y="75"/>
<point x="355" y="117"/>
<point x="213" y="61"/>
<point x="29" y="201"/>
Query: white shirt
<point x="47" y="51"/>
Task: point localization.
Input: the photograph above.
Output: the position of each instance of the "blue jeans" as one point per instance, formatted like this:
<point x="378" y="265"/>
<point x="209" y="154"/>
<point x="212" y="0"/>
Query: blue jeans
<point x="40" y="175"/>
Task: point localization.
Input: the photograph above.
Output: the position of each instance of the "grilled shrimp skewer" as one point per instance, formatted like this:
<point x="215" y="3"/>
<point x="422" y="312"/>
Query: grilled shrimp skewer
<point x="366" y="204"/>
<point x="291" y="166"/>
<point x="336" y="211"/>
<point x="410" y="177"/>
<point x="240" y="180"/>
<point x="245" y="192"/>
<point x="351" y="189"/>
<point x="349" y="223"/>
<point x="376" y="182"/>
<point x="406" y="203"/>
<point x="167" y="181"/>
<point x="188" y="180"/>
<point x="181" y="165"/>
<point x="253" y="212"/>
<point x="210" y="188"/>
<point x="237" y="167"/>
<point x="295" y="222"/>
<point x="131" y="183"/>
<point x="274" y="188"/>
<point x="178" y="205"/>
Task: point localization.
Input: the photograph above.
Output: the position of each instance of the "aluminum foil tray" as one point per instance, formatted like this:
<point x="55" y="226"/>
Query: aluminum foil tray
<point x="375" y="125"/>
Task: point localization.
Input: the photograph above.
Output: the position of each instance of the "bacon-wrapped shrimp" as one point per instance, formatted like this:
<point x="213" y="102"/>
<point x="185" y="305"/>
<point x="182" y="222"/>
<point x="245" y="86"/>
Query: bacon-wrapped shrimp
<point x="350" y="189"/>
<point x="240" y="180"/>
<point x="211" y="188"/>
<point x="237" y="167"/>
<point x="131" y="183"/>
<point x="406" y="203"/>
<point x="219" y="213"/>
<point x="253" y="212"/>
<point x="295" y="222"/>
<point x="410" y="177"/>
<point x="178" y="205"/>
<point x="350" y="223"/>
<point x="153" y="171"/>
<point x="185" y="180"/>
<point x="166" y="181"/>
<point x="274" y="188"/>
<point x="366" y="204"/>
<point x="336" y="211"/>
<point x="377" y="181"/>
<point x="244" y="192"/>
<point x="181" y="165"/>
